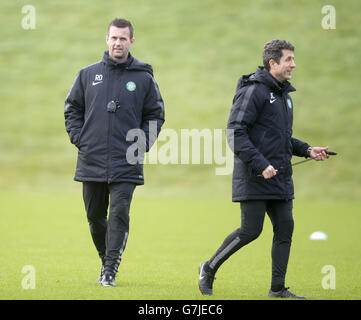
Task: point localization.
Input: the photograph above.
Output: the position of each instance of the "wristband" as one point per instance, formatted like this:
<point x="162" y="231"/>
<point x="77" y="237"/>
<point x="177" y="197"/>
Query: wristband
<point x="309" y="149"/>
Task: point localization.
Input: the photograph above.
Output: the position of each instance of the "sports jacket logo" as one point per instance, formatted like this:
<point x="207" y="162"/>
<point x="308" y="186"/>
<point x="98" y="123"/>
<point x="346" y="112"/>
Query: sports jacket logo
<point x="272" y="98"/>
<point x="98" y="79"/>
<point x="131" y="86"/>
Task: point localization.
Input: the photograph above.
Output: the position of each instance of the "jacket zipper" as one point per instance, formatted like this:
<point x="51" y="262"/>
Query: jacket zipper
<point x="110" y="122"/>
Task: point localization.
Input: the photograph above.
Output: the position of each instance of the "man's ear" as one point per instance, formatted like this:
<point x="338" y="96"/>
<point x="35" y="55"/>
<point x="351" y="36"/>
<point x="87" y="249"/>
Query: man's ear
<point x="272" y="63"/>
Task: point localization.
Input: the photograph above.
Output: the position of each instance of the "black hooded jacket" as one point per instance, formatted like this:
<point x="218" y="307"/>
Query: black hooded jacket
<point x="99" y="132"/>
<point x="261" y="118"/>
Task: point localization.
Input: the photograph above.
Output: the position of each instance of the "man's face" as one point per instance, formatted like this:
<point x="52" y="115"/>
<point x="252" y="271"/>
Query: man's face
<point x="282" y="70"/>
<point x="119" y="43"/>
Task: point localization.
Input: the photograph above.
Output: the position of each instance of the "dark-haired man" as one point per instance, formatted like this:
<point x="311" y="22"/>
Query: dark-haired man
<point x="107" y="100"/>
<point x="261" y="120"/>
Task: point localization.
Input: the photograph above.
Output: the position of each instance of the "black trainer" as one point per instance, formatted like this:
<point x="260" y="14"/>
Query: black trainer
<point x="100" y="278"/>
<point x="284" y="293"/>
<point x="205" y="282"/>
<point x="108" y="280"/>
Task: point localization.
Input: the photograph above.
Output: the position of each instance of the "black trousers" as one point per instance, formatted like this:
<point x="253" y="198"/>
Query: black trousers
<point x="109" y="234"/>
<point x="252" y="218"/>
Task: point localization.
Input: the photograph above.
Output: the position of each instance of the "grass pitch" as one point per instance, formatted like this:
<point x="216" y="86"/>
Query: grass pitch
<point x="168" y="239"/>
<point x="179" y="218"/>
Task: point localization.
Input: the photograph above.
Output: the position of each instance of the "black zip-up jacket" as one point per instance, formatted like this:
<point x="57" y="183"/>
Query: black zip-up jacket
<point x="262" y="118"/>
<point x="100" y="135"/>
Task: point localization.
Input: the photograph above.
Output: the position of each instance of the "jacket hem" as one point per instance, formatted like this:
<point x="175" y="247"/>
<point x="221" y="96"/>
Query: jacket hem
<point x="263" y="197"/>
<point x="87" y="179"/>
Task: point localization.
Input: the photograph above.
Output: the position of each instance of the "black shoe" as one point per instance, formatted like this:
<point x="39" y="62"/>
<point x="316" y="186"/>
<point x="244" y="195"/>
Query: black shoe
<point x="101" y="274"/>
<point x="205" y="282"/>
<point x="108" y="280"/>
<point x="284" y="293"/>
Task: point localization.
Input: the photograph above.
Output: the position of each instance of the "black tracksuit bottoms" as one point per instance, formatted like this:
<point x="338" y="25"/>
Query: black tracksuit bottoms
<point x="252" y="218"/>
<point x="109" y="235"/>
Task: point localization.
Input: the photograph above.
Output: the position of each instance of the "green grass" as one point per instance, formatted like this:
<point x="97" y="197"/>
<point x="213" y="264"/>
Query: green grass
<point x="169" y="237"/>
<point x="198" y="50"/>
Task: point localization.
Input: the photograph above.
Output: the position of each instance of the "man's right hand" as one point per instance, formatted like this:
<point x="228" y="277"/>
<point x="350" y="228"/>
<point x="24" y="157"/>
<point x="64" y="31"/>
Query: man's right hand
<point x="269" y="172"/>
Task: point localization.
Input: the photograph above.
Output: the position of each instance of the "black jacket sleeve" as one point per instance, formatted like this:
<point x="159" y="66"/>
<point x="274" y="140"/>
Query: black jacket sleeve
<point x="247" y="105"/>
<point x="299" y="148"/>
<point x="74" y="108"/>
<point x="153" y="114"/>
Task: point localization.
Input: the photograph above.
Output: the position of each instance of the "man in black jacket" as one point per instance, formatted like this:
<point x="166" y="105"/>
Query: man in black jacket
<point x="261" y="121"/>
<point x="107" y="101"/>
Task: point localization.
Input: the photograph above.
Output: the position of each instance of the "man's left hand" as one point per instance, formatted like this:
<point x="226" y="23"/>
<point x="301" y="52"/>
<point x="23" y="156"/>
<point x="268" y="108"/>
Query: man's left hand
<point x="319" y="153"/>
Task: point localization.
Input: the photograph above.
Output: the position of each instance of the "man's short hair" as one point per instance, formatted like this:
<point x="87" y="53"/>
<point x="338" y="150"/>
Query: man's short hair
<point x="122" y="23"/>
<point x="273" y="50"/>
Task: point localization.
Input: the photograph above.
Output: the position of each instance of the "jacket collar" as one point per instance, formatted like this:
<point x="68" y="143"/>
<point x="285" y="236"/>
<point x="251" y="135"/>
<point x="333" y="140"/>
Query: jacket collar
<point x="263" y="76"/>
<point x="114" y="64"/>
<point x="131" y="64"/>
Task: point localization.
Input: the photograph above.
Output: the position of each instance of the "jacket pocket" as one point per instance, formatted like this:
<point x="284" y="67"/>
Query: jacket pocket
<point x="78" y="140"/>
